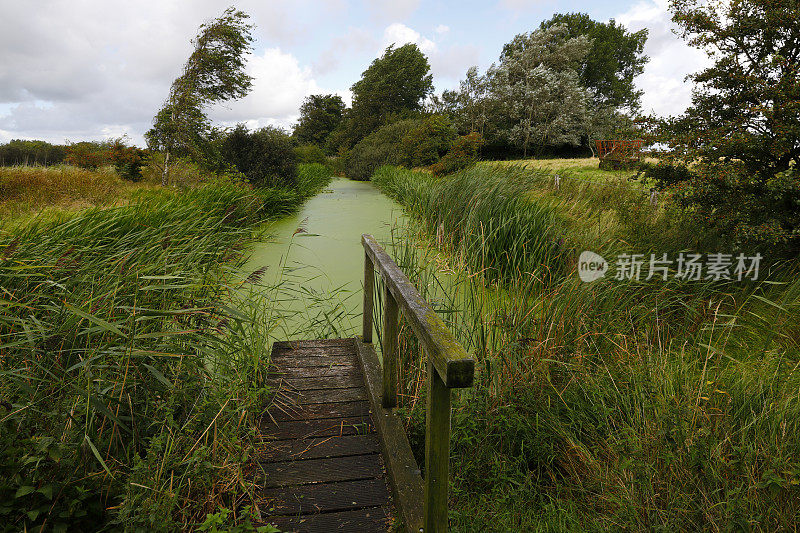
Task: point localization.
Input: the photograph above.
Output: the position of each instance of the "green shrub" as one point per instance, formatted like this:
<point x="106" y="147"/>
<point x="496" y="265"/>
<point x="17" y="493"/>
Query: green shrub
<point x="380" y="147"/>
<point x="88" y="155"/>
<point x="464" y="153"/>
<point x="751" y="211"/>
<point x="127" y="160"/>
<point x="265" y="156"/>
<point x="663" y="174"/>
<point x="310" y="153"/>
<point x="427" y="142"/>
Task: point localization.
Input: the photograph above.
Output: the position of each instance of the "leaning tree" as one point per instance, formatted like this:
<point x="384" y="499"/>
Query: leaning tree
<point x="214" y="73"/>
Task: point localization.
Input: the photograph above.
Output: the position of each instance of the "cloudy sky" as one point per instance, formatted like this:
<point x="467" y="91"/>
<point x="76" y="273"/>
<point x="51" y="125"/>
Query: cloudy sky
<point x="94" y="69"/>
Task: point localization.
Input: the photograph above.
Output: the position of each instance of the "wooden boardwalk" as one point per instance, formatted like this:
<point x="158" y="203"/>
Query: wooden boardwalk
<point x="333" y="446"/>
<point x="322" y="466"/>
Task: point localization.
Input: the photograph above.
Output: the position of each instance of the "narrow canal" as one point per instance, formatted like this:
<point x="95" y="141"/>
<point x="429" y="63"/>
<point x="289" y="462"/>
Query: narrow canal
<point x="313" y="262"/>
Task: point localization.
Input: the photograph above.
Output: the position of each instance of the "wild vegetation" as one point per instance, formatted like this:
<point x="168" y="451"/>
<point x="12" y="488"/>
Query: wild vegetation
<point x="652" y="404"/>
<point x="132" y="354"/>
<point x="131" y="374"/>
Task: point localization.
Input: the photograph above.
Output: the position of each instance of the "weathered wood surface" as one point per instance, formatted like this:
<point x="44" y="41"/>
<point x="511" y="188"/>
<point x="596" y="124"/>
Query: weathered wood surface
<point x="404" y="473"/>
<point x="321" y="467"/>
<point x="454" y="365"/>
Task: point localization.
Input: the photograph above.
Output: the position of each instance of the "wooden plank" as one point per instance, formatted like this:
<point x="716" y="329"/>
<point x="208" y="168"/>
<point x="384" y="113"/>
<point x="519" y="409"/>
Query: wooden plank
<point x="371" y="519"/>
<point x="310" y="383"/>
<point x="437" y="453"/>
<point x="305" y="471"/>
<point x="287" y="450"/>
<point x="333" y="351"/>
<point x="452" y="362"/>
<point x="294" y="372"/>
<point x="327" y="497"/>
<point x="309" y="362"/>
<point x="404" y="473"/>
<point x="314" y="343"/>
<point x="390" y="348"/>
<point x="369" y="287"/>
<point x="318" y="410"/>
<point x="320" y="463"/>
<point x="330" y="395"/>
<point x="322" y="427"/>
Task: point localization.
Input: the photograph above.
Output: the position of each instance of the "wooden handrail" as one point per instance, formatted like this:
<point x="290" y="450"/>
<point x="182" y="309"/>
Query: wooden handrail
<point x="449" y="366"/>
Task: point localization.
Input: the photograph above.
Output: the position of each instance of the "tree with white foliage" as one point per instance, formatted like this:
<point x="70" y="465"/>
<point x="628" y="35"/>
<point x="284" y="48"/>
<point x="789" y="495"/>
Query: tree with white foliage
<point x="535" y="89"/>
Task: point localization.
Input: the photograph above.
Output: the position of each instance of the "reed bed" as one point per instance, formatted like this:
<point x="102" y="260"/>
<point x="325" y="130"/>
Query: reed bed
<point x="660" y="405"/>
<point x="131" y="366"/>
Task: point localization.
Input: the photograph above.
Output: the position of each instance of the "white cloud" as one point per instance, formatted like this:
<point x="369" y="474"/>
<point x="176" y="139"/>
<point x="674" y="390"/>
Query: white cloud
<point x="354" y="42"/>
<point x="400" y="34"/>
<point x="671" y="59"/>
<point x="519" y="5"/>
<point x="279" y="86"/>
<point x="93" y="69"/>
<point x="447" y="64"/>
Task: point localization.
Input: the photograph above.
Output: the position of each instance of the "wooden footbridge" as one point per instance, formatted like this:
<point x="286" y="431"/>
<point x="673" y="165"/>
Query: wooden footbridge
<point x="336" y="457"/>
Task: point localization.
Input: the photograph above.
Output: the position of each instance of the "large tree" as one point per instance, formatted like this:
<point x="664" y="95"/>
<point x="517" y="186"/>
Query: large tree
<point x="320" y="114"/>
<point x="214" y="72"/>
<point x="614" y="59"/>
<point x="746" y="106"/>
<point x="535" y="94"/>
<point x="742" y="131"/>
<point x="394" y="83"/>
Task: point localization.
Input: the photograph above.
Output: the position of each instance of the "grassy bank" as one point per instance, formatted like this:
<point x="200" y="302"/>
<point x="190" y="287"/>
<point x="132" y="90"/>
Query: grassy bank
<point x="622" y="405"/>
<point x="128" y="381"/>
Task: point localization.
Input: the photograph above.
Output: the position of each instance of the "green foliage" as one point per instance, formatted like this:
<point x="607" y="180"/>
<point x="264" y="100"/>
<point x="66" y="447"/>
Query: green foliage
<point x="120" y="350"/>
<point x="424" y="144"/>
<point x="310" y="153"/>
<point x="462" y="154"/>
<point x="537" y="98"/>
<point x="265" y="156"/>
<point x="554" y="91"/>
<point x="394" y="83"/>
<point x="221" y="523"/>
<point x="743" y="126"/>
<point x="87" y="155"/>
<point x="614" y="59"/>
<point x="311" y="177"/>
<point x="380" y="147"/>
<point x="606" y="406"/>
<point x="19" y="152"/>
<point x="127" y="160"/>
<point x="524" y="238"/>
<point x="725" y="197"/>
<point x="663" y="174"/>
<point x="320" y="114"/>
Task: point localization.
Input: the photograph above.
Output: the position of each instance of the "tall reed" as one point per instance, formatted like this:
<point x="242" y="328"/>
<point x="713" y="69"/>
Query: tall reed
<point x="130" y="374"/>
<point x="652" y="405"/>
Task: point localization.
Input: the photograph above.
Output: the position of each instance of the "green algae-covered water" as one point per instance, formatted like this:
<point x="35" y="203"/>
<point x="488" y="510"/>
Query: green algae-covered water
<point x="315" y="262"/>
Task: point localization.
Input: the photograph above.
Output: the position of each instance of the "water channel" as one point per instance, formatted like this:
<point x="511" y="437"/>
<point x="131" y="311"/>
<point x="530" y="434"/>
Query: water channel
<point x="315" y="262"/>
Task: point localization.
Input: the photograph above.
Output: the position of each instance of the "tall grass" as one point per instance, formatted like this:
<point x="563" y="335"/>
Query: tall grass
<point x="607" y="406"/>
<point x="24" y="189"/>
<point x="130" y="372"/>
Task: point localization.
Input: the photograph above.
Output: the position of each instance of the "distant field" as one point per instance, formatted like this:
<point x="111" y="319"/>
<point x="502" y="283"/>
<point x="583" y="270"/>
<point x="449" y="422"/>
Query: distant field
<point x="587" y="168"/>
<point x="25" y="191"/>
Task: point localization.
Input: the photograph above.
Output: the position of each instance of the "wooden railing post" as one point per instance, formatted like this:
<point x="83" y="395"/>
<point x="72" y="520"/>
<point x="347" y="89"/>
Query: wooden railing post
<point x="437" y="452"/>
<point x="369" y="287"/>
<point x="390" y="352"/>
<point x="449" y="366"/>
